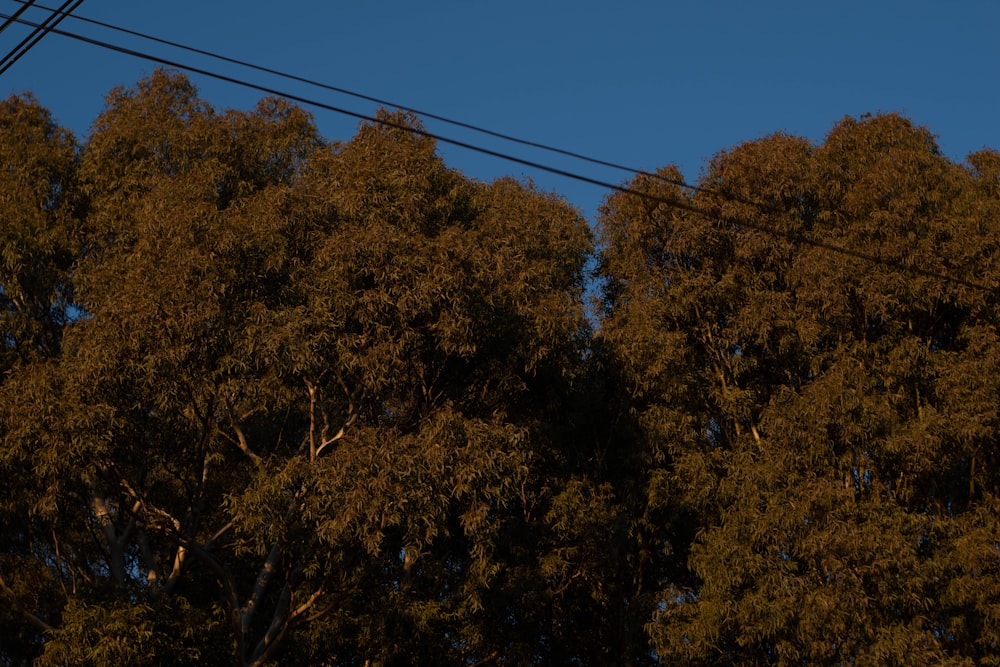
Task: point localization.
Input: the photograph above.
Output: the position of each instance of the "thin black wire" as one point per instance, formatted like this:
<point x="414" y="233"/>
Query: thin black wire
<point x="424" y="114"/>
<point x="672" y="203"/>
<point x="388" y="103"/>
<point x="33" y="33"/>
<point x="25" y="5"/>
<point x="37" y="34"/>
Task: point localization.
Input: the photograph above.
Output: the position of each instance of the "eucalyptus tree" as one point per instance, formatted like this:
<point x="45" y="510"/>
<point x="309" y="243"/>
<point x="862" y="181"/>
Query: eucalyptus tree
<point x="41" y="230"/>
<point x="818" y="405"/>
<point x="300" y="402"/>
<point x="270" y="399"/>
<point x="39" y="239"/>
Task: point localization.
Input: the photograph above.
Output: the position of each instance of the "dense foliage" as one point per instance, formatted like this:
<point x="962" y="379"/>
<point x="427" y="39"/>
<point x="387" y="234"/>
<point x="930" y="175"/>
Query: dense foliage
<point x="268" y="399"/>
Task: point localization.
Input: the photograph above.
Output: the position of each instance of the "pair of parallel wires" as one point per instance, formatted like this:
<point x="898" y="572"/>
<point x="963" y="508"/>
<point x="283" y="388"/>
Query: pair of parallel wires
<point x="57" y="15"/>
<point x="40" y="30"/>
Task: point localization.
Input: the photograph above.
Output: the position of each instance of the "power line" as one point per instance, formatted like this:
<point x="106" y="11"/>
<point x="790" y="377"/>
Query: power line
<point x="25" y="5"/>
<point x="388" y="103"/>
<point x="347" y="112"/>
<point x="672" y="203"/>
<point x="424" y="114"/>
<point x="36" y="35"/>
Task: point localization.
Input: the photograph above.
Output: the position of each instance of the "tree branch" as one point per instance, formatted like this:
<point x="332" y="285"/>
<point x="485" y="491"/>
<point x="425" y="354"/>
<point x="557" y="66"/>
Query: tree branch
<point x="147" y="556"/>
<point x="116" y="542"/>
<point x="352" y="417"/>
<point x="312" y="420"/>
<point x="304" y="607"/>
<point x="34" y="620"/>
<point x="260" y="586"/>
<point x="229" y="592"/>
<point x="276" y="631"/>
<point x="241" y="439"/>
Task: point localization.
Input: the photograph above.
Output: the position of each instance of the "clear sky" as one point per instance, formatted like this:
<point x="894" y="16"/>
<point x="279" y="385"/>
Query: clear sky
<point x="640" y="82"/>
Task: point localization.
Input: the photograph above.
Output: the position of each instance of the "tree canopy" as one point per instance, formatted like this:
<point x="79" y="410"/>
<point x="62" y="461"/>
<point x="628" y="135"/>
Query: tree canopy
<point x="821" y="426"/>
<point x="272" y="399"/>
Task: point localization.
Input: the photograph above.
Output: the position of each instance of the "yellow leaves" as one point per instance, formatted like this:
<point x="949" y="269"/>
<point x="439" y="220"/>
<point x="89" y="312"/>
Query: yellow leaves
<point x="826" y="417"/>
<point x="763" y="174"/>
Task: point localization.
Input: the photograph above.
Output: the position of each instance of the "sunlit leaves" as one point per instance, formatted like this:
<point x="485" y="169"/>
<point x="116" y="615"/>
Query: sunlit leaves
<point x="39" y="237"/>
<point x="269" y="399"/>
<point x="304" y="385"/>
<point x="827" y="416"/>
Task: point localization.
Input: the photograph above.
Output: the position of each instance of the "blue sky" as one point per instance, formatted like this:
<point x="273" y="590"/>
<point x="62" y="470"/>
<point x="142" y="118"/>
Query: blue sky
<point x="637" y="82"/>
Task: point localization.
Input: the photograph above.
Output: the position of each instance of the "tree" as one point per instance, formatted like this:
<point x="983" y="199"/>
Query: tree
<point x="299" y="401"/>
<point x="41" y="233"/>
<point x="38" y="242"/>
<point x="813" y="413"/>
<point x="269" y="399"/>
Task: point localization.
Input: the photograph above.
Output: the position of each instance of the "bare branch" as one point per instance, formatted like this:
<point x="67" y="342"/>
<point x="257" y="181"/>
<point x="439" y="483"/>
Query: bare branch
<point x="491" y="658"/>
<point x="276" y="631"/>
<point x="141" y="502"/>
<point x="340" y="434"/>
<point x="31" y="618"/>
<point x="153" y="577"/>
<point x="241" y="439"/>
<point x="180" y="556"/>
<point x="221" y="531"/>
<point x="312" y="420"/>
<point x="304" y="607"/>
<point x="352" y="417"/>
<point x="260" y="586"/>
<point x="59" y="559"/>
<point x="116" y="542"/>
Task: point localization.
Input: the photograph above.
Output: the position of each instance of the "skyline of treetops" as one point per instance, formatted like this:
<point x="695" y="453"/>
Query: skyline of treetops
<point x="272" y="399"/>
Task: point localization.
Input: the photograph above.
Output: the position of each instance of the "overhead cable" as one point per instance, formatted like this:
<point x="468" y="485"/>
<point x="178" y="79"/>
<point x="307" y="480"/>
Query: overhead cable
<point x="25" y="5"/>
<point x="387" y="103"/>
<point x="794" y="237"/>
<point x="36" y="35"/>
